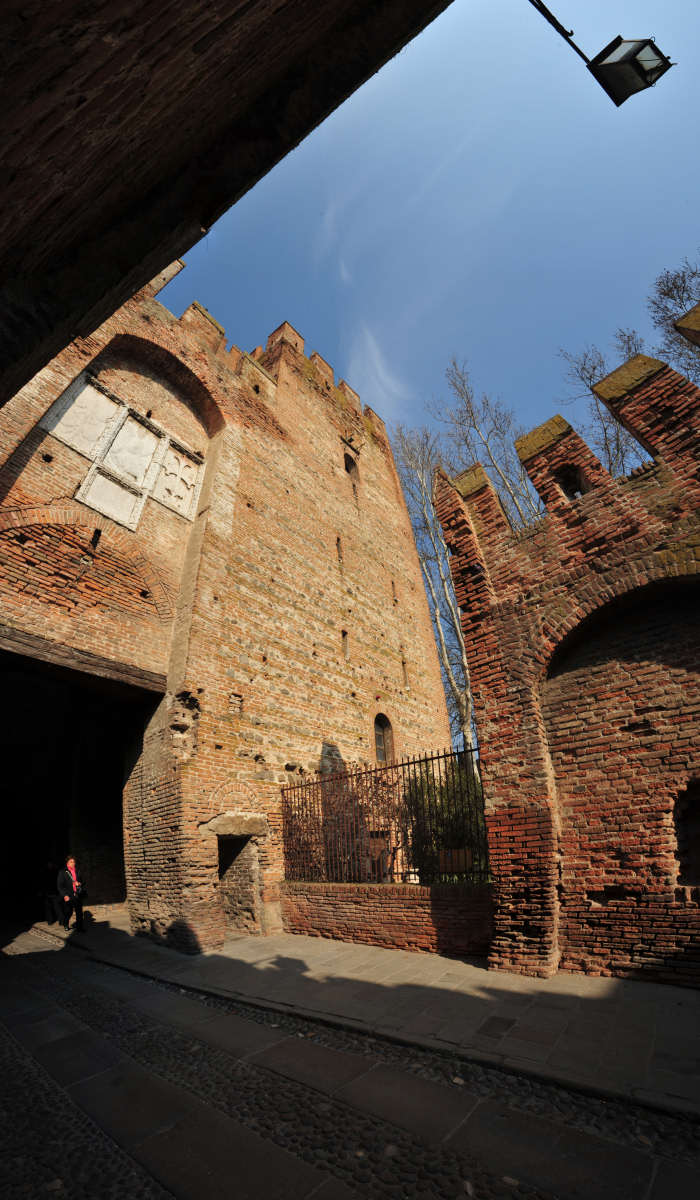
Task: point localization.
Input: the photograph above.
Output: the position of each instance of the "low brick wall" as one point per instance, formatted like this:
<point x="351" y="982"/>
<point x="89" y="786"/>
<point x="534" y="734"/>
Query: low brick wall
<point x="452" y="919"/>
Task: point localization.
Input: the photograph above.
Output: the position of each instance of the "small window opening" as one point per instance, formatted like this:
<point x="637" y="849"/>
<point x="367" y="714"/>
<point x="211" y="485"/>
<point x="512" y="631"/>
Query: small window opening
<point x="345" y="641"/>
<point x="383" y="739"/>
<point x="571" y="481"/>
<point x="339" y="549"/>
<point x="686" y="818"/>
<point x="393" y="592"/>
<point x="95" y="539"/>
<point x="47" y="458"/>
<point x="404" y="670"/>
<point x="353" y="471"/>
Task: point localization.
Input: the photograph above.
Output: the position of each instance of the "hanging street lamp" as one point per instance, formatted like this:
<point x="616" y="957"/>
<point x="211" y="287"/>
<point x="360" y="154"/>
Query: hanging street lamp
<point x="623" y="67"/>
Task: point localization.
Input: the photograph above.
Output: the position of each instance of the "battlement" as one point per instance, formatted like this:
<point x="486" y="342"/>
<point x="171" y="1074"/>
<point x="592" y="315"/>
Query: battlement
<point x="587" y="513"/>
<point x="200" y="324"/>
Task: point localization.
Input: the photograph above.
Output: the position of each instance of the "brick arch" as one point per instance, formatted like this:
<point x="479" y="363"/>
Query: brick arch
<point x="229" y="795"/>
<point x="620" y="711"/>
<point x="620" y="583"/>
<point x="74" y="514"/>
<point x="154" y="353"/>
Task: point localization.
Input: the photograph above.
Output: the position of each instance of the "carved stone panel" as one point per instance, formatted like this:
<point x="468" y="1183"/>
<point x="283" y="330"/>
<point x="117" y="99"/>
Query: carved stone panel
<point x="108" y="496"/>
<point x="132" y="451"/>
<point x="176" y="485"/>
<point x="81" y="417"/>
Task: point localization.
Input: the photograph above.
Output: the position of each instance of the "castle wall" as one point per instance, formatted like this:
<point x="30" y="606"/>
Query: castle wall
<point x="204" y="541"/>
<point x="453" y="919"/>
<point x="583" y="648"/>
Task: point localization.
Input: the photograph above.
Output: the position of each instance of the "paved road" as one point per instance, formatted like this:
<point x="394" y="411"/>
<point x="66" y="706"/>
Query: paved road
<point x="115" y="1085"/>
<point x="623" y="1037"/>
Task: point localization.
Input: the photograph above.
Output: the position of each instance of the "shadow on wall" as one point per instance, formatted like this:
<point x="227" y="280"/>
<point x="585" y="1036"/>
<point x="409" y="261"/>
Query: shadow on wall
<point x="331" y="761"/>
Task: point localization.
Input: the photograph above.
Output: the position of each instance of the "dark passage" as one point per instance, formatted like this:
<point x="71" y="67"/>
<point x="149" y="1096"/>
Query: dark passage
<point x="239" y="883"/>
<point x="67" y="742"/>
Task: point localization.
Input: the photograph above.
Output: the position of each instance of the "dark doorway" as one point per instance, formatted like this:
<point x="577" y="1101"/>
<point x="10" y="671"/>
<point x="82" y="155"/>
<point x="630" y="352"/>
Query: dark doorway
<point x="239" y="883"/>
<point x="67" y="741"/>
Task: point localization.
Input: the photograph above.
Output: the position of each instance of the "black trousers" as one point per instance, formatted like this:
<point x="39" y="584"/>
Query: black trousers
<point x="75" y="905"/>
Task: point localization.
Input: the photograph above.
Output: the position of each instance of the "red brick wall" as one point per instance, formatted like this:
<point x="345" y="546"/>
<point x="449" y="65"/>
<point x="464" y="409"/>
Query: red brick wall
<point x="234" y="619"/>
<point x="585" y="712"/>
<point x="446" y="920"/>
<point x="622" y="711"/>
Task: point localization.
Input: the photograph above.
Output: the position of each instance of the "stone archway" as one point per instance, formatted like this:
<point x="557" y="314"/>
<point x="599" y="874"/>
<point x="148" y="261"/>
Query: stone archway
<point x="621" y="706"/>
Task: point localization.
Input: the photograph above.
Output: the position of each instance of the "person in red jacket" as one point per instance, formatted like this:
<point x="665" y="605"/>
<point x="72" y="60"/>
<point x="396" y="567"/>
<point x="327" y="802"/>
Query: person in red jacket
<point x="71" y="890"/>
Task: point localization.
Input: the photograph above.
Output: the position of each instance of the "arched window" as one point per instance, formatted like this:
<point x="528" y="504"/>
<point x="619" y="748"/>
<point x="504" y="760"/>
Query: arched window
<point x="571" y="481"/>
<point x="383" y="739"/>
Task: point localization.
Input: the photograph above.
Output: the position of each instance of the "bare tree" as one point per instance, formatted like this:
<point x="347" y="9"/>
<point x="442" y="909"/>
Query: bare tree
<point x="673" y="293"/>
<point x="418" y="454"/>
<point x="474" y="428"/>
<point x="482" y="429"/>
<point x="617" y="450"/>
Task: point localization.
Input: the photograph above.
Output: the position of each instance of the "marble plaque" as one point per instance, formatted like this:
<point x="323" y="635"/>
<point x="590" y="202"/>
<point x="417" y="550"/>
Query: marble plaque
<point x="132" y="450"/>
<point x="80" y="418"/>
<point x="176" y="484"/>
<point x="111" y="498"/>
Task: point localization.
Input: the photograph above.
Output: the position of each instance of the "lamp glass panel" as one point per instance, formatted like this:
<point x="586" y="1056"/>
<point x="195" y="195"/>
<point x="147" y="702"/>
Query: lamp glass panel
<point x="649" y="60"/>
<point x="624" y="50"/>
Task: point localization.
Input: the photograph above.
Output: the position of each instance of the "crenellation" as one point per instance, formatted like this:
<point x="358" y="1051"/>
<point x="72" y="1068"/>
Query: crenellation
<point x="583" y="659"/>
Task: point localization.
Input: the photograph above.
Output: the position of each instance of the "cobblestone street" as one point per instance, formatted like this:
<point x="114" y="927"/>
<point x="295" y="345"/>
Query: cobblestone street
<point x="114" y="1085"/>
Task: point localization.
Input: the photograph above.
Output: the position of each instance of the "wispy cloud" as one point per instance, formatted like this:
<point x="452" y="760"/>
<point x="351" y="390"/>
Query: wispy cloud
<point x="370" y="374"/>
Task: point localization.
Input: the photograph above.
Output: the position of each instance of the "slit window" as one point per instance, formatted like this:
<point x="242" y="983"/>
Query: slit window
<point x="353" y="471"/>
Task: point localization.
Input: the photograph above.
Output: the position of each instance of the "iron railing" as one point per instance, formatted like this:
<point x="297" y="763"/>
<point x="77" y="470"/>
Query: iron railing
<point x="419" y="820"/>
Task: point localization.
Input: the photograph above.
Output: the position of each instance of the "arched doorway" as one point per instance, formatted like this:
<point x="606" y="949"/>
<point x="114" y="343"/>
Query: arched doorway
<point x="68" y="741"/>
<point x="621" y="705"/>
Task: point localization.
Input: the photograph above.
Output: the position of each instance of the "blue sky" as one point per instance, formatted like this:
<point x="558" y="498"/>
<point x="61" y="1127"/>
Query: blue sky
<point x="480" y="197"/>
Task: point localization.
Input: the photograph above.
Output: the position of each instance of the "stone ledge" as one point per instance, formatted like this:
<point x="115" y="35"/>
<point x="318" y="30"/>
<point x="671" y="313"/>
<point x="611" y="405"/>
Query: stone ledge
<point x="236" y="824"/>
<point x="620" y="382"/>
<point x="539" y="439"/>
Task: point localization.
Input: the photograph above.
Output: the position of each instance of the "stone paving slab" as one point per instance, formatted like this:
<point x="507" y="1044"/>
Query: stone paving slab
<point x="238" y="1037"/>
<point x="618" y="1037"/>
<point x="419" y="1106"/>
<point x="129" y="1103"/>
<point x="571" y="1164"/>
<point x="211" y="1157"/>
<point x="318" y="1066"/>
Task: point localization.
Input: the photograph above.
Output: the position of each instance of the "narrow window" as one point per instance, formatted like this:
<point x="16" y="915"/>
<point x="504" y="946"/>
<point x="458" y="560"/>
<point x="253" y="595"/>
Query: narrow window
<point x="383" y="739"/>
<point x="339" y="549"/>
<point x="404" y="669"/>
<point x="345" y="643"/>
<point x="571" y="482"/>
<point x="353" y="471"/>
<point x="686" y="818"/>
<point x="393" y="592"/>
